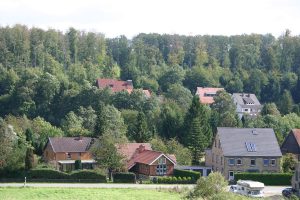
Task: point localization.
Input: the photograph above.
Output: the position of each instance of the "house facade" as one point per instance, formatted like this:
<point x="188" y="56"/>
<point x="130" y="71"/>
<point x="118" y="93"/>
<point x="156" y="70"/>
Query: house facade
<point x="244" y="150"/>
<point x="291" y="144"/>
<point x="246" y="104"/>
<point x="62" y="152"/>
<point x="141" y="159"/>
<point x="206" y="95"/>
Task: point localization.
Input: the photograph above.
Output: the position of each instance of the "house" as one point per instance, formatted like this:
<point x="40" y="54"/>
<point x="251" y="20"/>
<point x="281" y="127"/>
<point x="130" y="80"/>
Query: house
<point x="246" y="104"/>
<point x="142" y="160"/>
<point x="62" y="152"/>
<point x="244" y="150"/>
<point x="206" y="95"/>
<point x="291" y="144"/>
<point x="118" y="86"/>
<point x="295" y="182"/>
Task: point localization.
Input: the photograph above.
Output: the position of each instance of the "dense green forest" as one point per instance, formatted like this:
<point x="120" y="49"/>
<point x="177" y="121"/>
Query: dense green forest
<point x="48" y="86"/>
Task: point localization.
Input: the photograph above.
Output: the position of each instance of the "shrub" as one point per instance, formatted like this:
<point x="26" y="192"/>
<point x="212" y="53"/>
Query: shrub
<point x="186" y="173"/>
<point x="266" y="178"/>
<point x="172" y="180"/>
<point x="47" y="174"/>
<point x="78" y="164"/>
<point x="88" y="174"/>
<point x="124" y="177"/>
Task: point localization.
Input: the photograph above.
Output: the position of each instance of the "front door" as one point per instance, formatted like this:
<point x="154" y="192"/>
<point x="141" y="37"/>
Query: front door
<point x="231" y="175"/>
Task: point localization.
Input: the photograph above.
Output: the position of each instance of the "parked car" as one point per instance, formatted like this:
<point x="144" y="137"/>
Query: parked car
<point x="288" y="192"/>
<point x="250" y="188"/>
<point x="233" y="188"/>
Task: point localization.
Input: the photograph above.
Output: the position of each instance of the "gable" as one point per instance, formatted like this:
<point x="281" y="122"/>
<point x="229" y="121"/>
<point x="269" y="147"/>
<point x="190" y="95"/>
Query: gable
<point x="168" y="160"/>
<point x="290" y="144"/>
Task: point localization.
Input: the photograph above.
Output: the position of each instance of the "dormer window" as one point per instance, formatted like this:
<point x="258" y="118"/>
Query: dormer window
<point x="68" y="155"/>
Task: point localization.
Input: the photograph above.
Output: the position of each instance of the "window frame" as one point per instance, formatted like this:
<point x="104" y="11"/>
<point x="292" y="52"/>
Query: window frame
<point x="266" y="165"/>
<point x="251" y="162"/>
<point x="231" y="159"/>
<point x="237" y="163"/>
<point x="274" y="162"/>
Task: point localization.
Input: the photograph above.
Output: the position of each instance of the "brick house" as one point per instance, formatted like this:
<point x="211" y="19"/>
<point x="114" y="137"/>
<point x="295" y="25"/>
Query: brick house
<point x="118" y="86"/>
<point x="244" y="150"/>
<point x="141" y="159"/>
<point x="206" y="95"/>
<point x="62" y="152"/>
<point x="291" y="144"/>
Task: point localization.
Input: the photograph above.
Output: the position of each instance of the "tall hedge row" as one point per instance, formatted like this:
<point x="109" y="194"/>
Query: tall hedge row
<point x="266" y="178"/>
<point x="124" y="177"/>
<point x="42" y="175"/>
<point x="187" y="173"/>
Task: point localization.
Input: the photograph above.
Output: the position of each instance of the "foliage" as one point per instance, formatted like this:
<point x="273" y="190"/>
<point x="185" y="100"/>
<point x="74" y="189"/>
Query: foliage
<point x="173" y="180"/>
<point x="124" y="177"/>
<point x="106" y="154"/>
<point x="288" y="163"/>
<point x="88" y="174"/>
<point x="186" y="173"/>
<point x="266" y="178"/>
<point x="46" y="174"/>
<point x="78" y="164"/>
<point x="209" y="186"/>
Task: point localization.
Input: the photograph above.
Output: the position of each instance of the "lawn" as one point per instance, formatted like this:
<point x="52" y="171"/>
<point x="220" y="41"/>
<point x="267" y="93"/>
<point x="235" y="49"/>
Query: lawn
<point x="80" y="193"/>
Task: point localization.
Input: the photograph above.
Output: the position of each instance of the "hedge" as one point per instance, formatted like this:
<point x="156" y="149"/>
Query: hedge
<point x="47" y="174"/>
<point x="266" y="178"/>
<point x="173" y="180"/>
<point x="187" y="173"/>
<point x="50" y="175"/>
<point x="124" y="177"/>
<point x="88" y="174"/>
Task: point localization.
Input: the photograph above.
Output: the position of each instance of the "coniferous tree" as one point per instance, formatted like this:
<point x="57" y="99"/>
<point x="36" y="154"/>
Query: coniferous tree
<point x="141" y="133"/>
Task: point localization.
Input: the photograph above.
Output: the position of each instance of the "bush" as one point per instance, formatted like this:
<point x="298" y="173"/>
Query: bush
<point x="78" y="164"/>
<point x="172" y="180"/>
<point x="47" y="174"/>
<point x="186" y="173"/>
<point x="266" y="178"/>
<point x="88" y="174"/>
<point x="124" y="177"/>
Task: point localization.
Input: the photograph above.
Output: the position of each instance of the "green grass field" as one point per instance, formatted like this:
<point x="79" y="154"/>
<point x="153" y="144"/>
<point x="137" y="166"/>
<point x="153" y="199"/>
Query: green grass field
<point x="79" y="193"/>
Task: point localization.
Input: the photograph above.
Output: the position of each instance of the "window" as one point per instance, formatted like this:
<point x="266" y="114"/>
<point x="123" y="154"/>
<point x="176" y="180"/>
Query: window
<point x="219" y="144"/>
<point x="162" y="160"/>
<point x="273" y="162"/>
<point x="239" y="161"/>
<point x="231" y="161"/>
<point x="68" y="155"/>
<point x="252" y="162"/>
<point x="217" y="158"/>
<point x="266" y="162"/>
<point x="161" y="169"/>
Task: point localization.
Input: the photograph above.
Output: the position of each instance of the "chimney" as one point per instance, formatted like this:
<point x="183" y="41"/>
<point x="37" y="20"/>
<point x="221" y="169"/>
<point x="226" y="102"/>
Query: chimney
<point x="141" y="148"/>
<point x="129" y="82"/>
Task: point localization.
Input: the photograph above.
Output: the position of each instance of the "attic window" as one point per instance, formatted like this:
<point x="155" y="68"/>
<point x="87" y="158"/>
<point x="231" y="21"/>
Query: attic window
<point x="251" y="147"/>
<point x="254" y="132"/>
<point x="209" y="94"/>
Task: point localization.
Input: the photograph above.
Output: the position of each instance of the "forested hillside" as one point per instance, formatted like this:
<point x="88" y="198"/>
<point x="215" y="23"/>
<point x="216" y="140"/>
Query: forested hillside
<point x="47" y="84"/>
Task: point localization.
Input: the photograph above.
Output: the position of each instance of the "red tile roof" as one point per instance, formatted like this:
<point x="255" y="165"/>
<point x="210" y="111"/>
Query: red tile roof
<point x="202" y="92"/>
<point x="141" y="153"/>
<point x="70" y="144"/>
<point x="115" y="85"/>
<point x="129" y="149"/>
<point x="296" y="133"/>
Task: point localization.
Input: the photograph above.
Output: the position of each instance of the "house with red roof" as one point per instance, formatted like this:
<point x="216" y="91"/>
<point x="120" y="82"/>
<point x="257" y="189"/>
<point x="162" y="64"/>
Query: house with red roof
<point x="62" y="152"/>
<point x="118" y="86"/>
<point x="206" y="95"/>
<point x="291" y="144"/>
<point x="141" y="159"/>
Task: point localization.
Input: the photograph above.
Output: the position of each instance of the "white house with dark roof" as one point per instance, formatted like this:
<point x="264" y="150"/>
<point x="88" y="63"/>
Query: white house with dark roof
<point x="246" y="104"/>
<point x="244" y="150"/>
